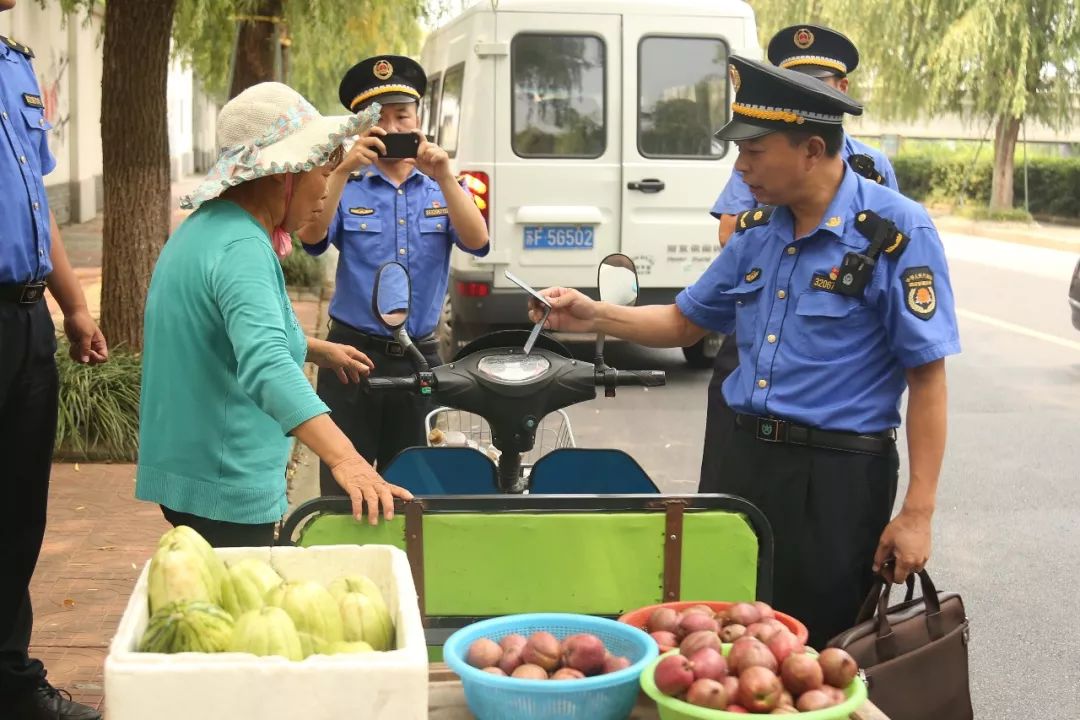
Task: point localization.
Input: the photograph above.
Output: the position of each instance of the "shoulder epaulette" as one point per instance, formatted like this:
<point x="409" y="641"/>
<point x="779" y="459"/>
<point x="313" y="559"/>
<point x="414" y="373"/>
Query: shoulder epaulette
<point x="17" y="46"/>
<point x="878" y="230"/>
<point x="753" y="218"/>
<point x="864" y="165"/>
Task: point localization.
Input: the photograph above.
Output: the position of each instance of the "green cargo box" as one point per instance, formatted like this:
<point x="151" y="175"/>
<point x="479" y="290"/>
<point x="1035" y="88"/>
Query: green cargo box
<point x="475" y="556"/>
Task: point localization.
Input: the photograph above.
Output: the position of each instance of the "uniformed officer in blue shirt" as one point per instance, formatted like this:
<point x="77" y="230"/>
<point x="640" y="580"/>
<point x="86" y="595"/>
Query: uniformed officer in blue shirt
<point x="828" y="55"/>
<point x="32" y="257"/>
<point x="839" y="292"/>
<point x="412" y="211"/>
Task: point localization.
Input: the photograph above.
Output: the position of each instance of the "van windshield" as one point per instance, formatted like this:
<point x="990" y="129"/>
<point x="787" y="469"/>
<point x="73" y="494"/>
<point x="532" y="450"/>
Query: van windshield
<point x="559" y="103"/>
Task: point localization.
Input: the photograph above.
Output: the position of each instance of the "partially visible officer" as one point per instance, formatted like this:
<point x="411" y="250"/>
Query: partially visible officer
<point x="829" y="56"/>
<point x="32" y="257"/>
<point x="412" y="211"/>
<point x="840" y="293"/>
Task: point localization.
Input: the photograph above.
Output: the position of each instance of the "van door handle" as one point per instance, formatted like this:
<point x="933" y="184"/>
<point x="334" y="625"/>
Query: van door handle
<point x="648" y="185"/>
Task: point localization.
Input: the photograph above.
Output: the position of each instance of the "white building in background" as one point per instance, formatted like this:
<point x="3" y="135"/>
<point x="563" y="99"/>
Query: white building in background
<point x="68" y="63"/>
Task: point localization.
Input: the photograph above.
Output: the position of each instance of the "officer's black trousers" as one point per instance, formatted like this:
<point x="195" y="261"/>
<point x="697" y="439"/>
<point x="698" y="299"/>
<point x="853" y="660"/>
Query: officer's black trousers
<point x="716" y="429"/>
<point x="28" y="402"/>
<point x="380" y="424"/>
<point x="827" y="510"/>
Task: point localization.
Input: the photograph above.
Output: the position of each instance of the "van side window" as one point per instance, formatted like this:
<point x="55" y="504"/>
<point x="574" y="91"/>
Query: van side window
<point x="559" y="100"/>
<point x="449" y="109"/>
<point x="429" y="106"/>
<point x="682" y="96"/>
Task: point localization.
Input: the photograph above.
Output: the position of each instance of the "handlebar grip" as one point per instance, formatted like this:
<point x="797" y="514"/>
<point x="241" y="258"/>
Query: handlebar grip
<point x="392" y="383"/>
<point x="642" y="378"/>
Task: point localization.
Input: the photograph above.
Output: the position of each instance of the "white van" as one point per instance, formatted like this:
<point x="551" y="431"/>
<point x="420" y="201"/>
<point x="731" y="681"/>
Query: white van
<point x="584" y="127"/>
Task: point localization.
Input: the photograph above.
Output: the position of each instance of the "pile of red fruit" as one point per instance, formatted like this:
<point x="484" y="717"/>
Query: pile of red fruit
<point x="543" y="657"/>
<point x="766" y="671"/>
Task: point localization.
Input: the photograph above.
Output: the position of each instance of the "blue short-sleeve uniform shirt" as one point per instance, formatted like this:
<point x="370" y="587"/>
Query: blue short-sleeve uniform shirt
<point x="378" y="222"/>
<point x="24" y="161"/>
<point x="813" y="355"/>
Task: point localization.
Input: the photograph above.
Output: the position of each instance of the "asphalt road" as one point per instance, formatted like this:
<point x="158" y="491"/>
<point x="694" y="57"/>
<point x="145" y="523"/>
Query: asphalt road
<point x="1007" y="527"/>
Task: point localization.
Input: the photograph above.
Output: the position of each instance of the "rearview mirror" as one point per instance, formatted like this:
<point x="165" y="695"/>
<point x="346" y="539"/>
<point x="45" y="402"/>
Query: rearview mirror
<point x="617" y="280"/>
<point x="390" y="300"/>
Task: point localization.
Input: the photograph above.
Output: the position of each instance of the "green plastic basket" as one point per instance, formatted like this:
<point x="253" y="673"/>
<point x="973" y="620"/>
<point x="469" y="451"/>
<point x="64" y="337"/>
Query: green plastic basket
<point x="674" y="709"/>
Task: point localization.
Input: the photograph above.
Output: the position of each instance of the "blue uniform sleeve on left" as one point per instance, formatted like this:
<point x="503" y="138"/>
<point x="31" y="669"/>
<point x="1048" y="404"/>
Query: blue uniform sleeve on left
<point x="456" y="239"/>
<point x="707" y="302"/>
<point x="917" y="303"/>
<point x="734" y="198"/>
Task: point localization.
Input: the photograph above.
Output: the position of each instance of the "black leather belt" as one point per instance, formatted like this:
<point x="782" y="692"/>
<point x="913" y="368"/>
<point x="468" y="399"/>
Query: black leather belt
<point x="386" y="345"/>
<point x="23" y="293"/>
<point x="774" y="430"/>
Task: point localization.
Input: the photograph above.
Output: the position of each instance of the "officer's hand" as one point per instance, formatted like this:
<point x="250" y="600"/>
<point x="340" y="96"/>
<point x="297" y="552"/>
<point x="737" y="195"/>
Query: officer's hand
<point x="364" y="151"/>
<point x="366" y="487"/>
<point x="907" y="539"/>
<point x="88" y="345"/>
<point x="345" y="360"/>
<point x="571" y="311"/>
<point x="431" y="159"/>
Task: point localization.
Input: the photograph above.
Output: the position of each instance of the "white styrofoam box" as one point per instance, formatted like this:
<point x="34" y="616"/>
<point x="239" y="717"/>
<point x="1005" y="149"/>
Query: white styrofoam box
<point x="236" y="686"/>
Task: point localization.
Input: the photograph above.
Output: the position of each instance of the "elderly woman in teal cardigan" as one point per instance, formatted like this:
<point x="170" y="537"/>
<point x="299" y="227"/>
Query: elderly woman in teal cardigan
<point x="223" y="386"/>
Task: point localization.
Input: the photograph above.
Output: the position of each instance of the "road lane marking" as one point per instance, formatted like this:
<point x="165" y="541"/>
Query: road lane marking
<point x="1019" y="329"/>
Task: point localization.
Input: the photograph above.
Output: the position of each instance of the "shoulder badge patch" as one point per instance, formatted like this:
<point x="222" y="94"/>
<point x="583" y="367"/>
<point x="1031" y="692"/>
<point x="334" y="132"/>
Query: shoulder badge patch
<point x="362" y="211"/>
<point x="920" y="298"/>
<point x="869" y="222"/>
<point x="17" y="46"/>
<point x="753" y="218"/>
<point x="753" y="275"/>
<point x="436" y="212"/>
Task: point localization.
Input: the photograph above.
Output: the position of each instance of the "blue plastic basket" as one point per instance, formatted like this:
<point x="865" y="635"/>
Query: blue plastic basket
<point x="604" y="697"/>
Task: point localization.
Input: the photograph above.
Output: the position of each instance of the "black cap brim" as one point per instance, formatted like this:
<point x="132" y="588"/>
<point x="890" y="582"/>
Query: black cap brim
<point x="737" y="130"/>
<point x="386" y="99"/>
<point x="816" y="71"/>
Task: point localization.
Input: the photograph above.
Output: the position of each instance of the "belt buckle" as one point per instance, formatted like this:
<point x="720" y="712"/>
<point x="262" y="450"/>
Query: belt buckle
<point x="31" y="293"/>
<point x="394" y="349"/>
<point x="771" y="430"/>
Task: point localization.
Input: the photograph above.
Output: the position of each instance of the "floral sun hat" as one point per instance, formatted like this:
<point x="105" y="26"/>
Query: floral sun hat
<point x="270" y="129"/>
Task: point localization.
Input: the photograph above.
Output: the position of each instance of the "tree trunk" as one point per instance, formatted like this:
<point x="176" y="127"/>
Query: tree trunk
<point x="256" y="47"/>
<point x="135" y="144"/>
<point x="1001" y="187"/>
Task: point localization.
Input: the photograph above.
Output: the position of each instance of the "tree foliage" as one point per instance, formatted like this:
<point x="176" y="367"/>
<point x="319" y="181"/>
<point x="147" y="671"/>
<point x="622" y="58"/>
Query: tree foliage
<point x="326" y="38"/>
<point x="998" y="61"/>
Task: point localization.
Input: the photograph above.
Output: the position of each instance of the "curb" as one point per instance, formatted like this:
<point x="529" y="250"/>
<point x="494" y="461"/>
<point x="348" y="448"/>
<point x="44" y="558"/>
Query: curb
<point x="1016" y="237"/>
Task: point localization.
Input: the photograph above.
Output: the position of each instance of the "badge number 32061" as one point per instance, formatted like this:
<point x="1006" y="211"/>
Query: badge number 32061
<point x="559" y="237"/>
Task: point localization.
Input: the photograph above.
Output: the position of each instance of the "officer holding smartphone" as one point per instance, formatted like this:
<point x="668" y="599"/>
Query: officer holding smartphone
<point x="396" y="199"/>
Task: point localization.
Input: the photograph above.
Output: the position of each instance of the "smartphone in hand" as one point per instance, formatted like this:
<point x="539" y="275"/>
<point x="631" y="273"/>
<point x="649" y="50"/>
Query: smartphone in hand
<point x="400" y="145"/>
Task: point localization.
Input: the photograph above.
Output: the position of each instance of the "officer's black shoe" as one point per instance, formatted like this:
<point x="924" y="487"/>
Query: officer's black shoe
<point x="49" y="703"/>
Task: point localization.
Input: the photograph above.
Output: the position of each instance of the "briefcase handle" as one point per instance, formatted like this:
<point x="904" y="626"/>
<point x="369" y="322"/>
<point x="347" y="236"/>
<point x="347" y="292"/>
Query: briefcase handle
<point x="886" y="641"/>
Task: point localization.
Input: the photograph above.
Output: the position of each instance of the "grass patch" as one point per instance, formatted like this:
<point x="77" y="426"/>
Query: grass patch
<point x="981" y="212"/>
<point x="98" y="418"/>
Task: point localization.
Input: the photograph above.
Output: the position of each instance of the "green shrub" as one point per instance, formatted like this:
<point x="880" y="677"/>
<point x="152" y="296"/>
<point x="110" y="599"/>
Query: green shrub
<point x="1053" y="182"/>
<point x="301" y="269"/>
<point x="98" y="418"/>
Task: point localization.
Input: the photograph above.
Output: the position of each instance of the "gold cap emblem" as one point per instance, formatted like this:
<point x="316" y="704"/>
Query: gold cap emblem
<point x="803" y="38"/>
<point x="383" y="70"/>
<point x="736" y="81"/>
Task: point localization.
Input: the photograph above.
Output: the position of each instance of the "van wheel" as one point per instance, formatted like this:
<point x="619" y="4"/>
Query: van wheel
<point x="696" y="357"/>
